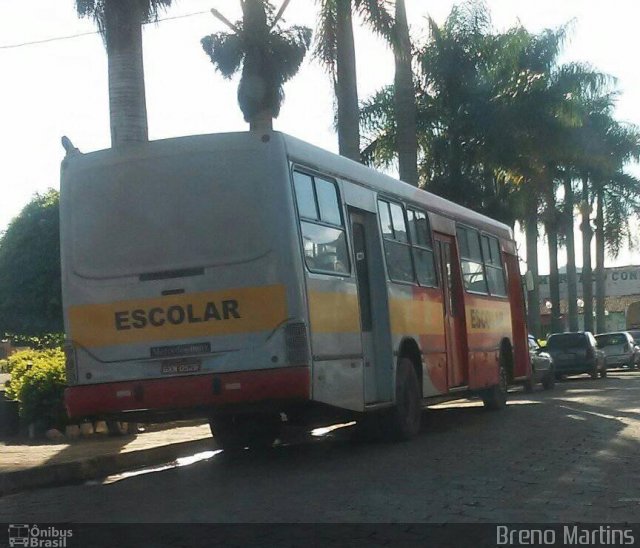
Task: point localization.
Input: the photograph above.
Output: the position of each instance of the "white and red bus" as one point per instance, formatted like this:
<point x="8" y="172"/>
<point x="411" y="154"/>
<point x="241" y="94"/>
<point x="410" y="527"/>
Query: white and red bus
<point x="253" y="278"/>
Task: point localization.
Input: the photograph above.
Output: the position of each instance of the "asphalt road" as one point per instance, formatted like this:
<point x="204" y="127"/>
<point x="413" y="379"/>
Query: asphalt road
<point x="571" y="454"/>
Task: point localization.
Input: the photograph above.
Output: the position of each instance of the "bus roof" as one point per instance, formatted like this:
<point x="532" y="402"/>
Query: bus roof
<point x="310" y="156"/>
<point x="339" y="166"/>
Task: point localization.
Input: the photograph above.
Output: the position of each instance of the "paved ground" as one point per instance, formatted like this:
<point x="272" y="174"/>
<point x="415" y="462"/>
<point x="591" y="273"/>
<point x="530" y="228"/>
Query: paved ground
<point x="25" y="453"/>
<point x="567" y="455"/>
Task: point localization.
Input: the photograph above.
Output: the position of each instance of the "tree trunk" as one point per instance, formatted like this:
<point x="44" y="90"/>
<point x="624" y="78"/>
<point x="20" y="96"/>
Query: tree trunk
<point x="256" y="95"/>
<point x="405" y="99"/>
<point x="600" y="273"/>
<point x="262" y="121"/>
<point x="533" y="297"/>
<point x="554" y="279"/>
<point x="551" y="227"/>
<point x="572" y="280"/>
<point x="587" y="283"/>
<point x="346" y="84"/>
<point x="127" y="103"/>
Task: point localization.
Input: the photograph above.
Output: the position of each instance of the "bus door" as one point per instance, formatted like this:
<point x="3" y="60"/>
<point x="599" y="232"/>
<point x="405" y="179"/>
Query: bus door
<point x="374" y="308"/>
<point x="453" y="309"/>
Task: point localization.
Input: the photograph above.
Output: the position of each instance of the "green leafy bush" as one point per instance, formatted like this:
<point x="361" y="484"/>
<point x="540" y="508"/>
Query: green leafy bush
<point x="38" y="381"/>
<point x="40" y="342"/>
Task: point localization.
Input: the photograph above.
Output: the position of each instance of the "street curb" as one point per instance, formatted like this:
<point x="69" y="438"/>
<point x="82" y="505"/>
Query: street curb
<point x="97" y="467"/>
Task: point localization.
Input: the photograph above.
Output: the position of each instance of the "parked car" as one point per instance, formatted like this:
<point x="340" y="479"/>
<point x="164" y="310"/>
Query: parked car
<point x="635" y="333"/>
<point x="542" y="370"/>
<point x="619" y="347"/>
<point x="575" y="353"/>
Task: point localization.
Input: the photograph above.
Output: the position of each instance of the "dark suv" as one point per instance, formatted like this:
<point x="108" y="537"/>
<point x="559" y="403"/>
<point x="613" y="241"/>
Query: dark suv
<point x="575" y="353"/>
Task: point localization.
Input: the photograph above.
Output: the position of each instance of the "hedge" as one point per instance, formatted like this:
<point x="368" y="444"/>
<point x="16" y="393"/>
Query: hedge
<point x="38" y="381"/>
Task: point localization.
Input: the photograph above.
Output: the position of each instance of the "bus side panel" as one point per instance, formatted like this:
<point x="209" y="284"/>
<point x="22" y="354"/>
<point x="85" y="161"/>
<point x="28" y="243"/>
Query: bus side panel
<point x="417" y="313"/>
<point x="488" y="323"/>
<point x="334" y="319"/>
<point x="521" y="362"/>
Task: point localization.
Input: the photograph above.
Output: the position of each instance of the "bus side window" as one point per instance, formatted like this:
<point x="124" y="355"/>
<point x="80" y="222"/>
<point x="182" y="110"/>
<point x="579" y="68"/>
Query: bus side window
<point x="493" y="266"/>
<point x="473" y="268"/>
<point x="321" y="224"/>
<point x="422" y="248"/>
<point x="396" y="242"/>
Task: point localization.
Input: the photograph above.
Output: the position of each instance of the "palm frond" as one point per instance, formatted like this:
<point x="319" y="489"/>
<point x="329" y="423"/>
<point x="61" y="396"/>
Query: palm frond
<point x="377" y="16"/>
<point x="95" y="9"/>
<point x="326" y="38"/>
<point x="225" y="51"/>
<point x="288" y="48"/>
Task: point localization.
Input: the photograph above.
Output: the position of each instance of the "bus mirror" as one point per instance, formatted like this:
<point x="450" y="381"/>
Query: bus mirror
<point x="528" y="280"/>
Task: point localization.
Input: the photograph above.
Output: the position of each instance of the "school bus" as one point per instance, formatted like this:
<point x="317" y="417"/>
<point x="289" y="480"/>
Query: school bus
<point x="254" y="279"/>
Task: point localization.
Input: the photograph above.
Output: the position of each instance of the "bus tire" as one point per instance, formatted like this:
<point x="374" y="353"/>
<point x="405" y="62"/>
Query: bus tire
<point x="495" y="398"/>
<point x="549" y="381"/>
<point x="529" y="385"/>
<point x="402" y="421"/>
<point x="234" y="433"/>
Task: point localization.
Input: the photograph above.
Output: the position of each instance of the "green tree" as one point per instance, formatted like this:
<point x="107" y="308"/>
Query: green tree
<point x="30" y="295"/>
<point x="120" y="22"/>
<point x="268" y="54"/>
<point x="497" y="119"/>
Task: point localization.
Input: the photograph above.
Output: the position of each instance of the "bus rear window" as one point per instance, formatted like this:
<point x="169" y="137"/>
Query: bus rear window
<point x="157" y="215"/>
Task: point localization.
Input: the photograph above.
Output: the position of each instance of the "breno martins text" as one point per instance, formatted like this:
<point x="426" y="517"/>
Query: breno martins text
<point x="567" y="535"/>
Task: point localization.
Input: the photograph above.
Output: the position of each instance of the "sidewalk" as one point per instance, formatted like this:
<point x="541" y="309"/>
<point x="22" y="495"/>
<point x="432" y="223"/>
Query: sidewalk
<point x="26" y="464"/>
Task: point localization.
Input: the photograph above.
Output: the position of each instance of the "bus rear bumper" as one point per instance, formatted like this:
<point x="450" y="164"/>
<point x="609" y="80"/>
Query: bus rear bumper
<point x="287" y="384"/>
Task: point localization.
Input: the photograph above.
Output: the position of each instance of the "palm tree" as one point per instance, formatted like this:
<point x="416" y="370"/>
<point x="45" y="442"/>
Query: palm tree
<point x="405" y="98"/>
<point x="587" y="272"/>
<point x="572" y="279"/>
<point x="335" y="49"/>
<point x="268" y="54"/>
<point x="618" y="199"/>
<point x="120" y="23"/>
<point x="604" y="146"/>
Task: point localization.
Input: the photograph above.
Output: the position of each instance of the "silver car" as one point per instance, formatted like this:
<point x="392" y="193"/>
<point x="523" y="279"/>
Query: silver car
<point x="542" y="370"/>
<point x="619" y="348"/>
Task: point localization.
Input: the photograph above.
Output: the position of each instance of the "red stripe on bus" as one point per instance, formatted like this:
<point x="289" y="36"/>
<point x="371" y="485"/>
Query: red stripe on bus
<point x="282" y="384"/>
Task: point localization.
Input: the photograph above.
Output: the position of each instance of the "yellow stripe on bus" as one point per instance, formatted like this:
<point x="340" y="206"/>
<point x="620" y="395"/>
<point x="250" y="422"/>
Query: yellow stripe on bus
<point x="332" y="312"/>
<point x="205" y="314"/>
<point x="416" y="316"/>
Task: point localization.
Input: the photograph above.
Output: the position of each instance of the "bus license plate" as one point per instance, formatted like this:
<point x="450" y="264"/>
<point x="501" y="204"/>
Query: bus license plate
<point x="180" y="367"/>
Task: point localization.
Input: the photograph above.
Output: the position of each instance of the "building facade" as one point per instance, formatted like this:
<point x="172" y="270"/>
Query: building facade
<point x="622" y="287"/>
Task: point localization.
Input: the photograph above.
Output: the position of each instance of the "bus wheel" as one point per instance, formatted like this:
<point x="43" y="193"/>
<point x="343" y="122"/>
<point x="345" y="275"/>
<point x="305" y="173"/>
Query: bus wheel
<point x="236" y="432"/>
<point x="402" y="422"/>
<point x="121" y="428"/>
<point x="495" y="398"/>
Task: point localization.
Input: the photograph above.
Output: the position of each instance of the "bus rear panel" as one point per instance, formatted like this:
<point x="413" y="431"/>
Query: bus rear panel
<point x="180" y="285"/>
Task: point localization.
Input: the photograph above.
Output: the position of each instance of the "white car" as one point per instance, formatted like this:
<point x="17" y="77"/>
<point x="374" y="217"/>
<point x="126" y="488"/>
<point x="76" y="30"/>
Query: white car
<point x="619" y="348"/>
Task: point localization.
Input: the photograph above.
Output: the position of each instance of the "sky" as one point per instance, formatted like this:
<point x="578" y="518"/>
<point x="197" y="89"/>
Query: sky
<point x="60" y="87"/>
